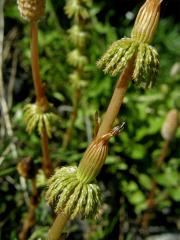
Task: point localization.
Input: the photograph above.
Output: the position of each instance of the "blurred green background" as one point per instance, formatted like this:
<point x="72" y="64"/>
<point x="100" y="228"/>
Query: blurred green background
<point x="126" y="177"/>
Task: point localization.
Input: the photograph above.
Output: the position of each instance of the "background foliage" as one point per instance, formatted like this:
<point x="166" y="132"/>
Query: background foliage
<point x="131" y="164"/>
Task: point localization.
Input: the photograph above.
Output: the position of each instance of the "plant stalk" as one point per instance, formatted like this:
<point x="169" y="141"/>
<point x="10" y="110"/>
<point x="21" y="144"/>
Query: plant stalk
<point x="110" y="115"/>
<point x="46" y="162"/>
<point x="58" y="226"/>
<point x="40" y="95"/>
<point x="117" y="99"/>
<point x="39" y="90"/>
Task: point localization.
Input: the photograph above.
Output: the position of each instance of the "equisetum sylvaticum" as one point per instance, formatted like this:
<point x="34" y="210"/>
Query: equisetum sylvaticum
<point x="73" y="190"/>
<point x="40" y="114"/>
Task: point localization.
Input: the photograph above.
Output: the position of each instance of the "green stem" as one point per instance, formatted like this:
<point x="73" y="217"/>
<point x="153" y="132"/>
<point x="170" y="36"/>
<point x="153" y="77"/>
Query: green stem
<point x="58" y="226"/>
<point x="112" y="111"/>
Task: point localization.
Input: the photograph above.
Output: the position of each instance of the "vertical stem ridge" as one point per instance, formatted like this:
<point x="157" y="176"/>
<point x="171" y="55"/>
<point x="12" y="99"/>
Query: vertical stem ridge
<point x="110" y="115"/>
<point x="40" y="95"/>
<point x="35" y="62"/>
<point x="58" y="226"/>
<point x="117" y="99"/>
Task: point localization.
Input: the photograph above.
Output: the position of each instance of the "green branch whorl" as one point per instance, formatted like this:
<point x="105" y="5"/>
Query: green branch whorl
<point x="73" y="190"/>
<point x="40" y="117"/>
<point x="72" y="196"/>
<point x="146" y="61"/>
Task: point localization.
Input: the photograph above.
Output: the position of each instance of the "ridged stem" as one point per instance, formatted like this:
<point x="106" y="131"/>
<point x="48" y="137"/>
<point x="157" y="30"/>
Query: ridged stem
<point x="35" y="62"/>
<point x="58" y="226"/>
<point x="117" y="99"/>
<point x="40" y="95"/>
<point x="105" y="127"/>
<point x="147" y="21"/>
<point x="92" y="161"/>
<point x="46" y="161"/>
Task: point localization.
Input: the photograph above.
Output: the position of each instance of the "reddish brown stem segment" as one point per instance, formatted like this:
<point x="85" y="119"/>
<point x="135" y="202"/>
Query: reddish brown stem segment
<point x="117" y="99"/>
<point x="40" y="95"/>
<point x="110" y="115"/>
<point x="35" y="62"/>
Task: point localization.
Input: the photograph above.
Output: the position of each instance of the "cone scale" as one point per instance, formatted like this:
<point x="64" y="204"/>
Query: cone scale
<point x="31" y="10"/>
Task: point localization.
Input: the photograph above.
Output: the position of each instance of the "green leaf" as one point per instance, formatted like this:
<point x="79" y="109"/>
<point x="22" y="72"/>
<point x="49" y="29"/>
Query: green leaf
<point x="175" y="193"/>
<point x="168" y="178"/>
<point x="145" y="181"/>
<point x="136" y="197"/>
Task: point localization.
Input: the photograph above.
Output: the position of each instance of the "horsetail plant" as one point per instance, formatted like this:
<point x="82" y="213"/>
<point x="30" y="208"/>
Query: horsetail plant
<point x="146" y="62"/>
<point x="41" y="113"/>
<point x="79" y="12"/>
<point x="70" y="188"/>
<point x="134" y="58"/>
<point x="77" y="187"/>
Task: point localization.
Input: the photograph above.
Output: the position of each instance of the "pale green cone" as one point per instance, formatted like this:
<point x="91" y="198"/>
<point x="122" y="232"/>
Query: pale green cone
<point x="40" y="117"/>
<point x="68" y="194"/>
